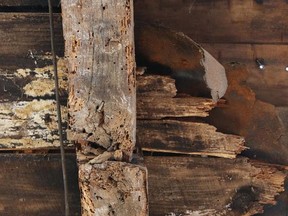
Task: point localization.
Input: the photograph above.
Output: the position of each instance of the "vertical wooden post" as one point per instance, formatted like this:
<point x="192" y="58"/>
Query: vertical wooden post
<point x="99" y="46"/>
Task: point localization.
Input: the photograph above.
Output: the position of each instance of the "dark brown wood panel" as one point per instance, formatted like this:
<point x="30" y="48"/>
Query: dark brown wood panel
<point x="22" y="32"/>
<point x="23" y="3"/>
<point x="210" y="186"/>
<point x="32" y="185"/>
<point x="220" y="21"/>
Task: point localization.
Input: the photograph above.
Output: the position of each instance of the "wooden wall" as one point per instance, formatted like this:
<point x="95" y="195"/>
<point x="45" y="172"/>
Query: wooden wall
<point x="233" y="31"/>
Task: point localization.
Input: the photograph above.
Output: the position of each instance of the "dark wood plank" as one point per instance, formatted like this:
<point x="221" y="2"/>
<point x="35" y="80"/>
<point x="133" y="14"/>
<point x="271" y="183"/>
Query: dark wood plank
<point x="32" y="185"/>
<point x="27" y="31"/>
<point x="163" y="107"/>
<point x="25" y="3"/>
<point x="187" y="138"/>
<point x="210" y="186"/>
<point x="220" y="21"/>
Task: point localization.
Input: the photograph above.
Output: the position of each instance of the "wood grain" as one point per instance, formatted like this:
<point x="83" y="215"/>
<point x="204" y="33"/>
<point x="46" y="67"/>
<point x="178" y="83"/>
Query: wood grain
<point x="210" y="186"/>
<point x="101" y="64"/>
<point x="187" y="138"/>
<point x="220" y="21"/>
<point x="32" y="185"/>
<point x="159" y="108"/>
<point x="20" y="36"/>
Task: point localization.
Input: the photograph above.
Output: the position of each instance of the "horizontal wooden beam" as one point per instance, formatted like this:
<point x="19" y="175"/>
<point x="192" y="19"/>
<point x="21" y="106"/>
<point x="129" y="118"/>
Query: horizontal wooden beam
<point x="32" y="185"/>
<point x="220" y="21"/>
<point x="210" y="186"/>
<point x="187" y="138"/>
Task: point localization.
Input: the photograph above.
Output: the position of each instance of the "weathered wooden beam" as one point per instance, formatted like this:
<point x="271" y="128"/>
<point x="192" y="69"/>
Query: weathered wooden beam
<point x="187" y="138"/>
<point x="99" y="46"/>
<point x="210" y="186"/>
<point x="227" y="21"/>
<point x="158" y="108"/>
<point x="32" y="185"/>
<point x="101" y="62"/>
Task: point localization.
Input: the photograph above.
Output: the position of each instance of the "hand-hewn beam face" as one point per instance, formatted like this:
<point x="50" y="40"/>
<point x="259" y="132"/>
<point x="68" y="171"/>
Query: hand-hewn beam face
<point x="99" y="45"/>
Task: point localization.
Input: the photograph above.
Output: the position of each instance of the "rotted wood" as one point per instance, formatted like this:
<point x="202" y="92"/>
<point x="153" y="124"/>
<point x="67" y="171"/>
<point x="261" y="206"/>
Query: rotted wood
<point x="32" y="185"/>
<point x="156" y="99"/>
<point x="211" y="186"/>
<point x="101" y="64"/>
<point x="227" y="21"/>
<point x="113" y="188"/>
<point x="99" y="45"/>
<point x="261" y="124"/>
<point x="27" y="106"/>
<point x="187" y="138"/>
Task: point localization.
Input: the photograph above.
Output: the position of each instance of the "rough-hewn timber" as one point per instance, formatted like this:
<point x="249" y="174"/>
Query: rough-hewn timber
<point x="210" y="186"/>
<point x="187" y="138"/>
<point x="101" y="62"/>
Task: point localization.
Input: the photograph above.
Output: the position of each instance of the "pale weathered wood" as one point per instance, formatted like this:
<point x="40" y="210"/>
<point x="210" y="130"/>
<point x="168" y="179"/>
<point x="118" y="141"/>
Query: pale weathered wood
<point x="210" y="186"/>
<point x="220" y="21"/>
<point x="32" y="185"/>
<point x="27" y="106"/>
<point x="102" y="94"/>
<point x="187" y="138"/>
<point x="113" y="188"/>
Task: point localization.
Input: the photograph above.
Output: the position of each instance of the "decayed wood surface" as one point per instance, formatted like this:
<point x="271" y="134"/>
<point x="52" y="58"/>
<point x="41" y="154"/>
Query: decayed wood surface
<point x="157" y="108"/>
<point x="156" y="99"/>
<point x="113" y="188"/>
<point x="220" y="21"/>
<point x="261" y="124"/>
<point x="210" y="186"/>
<point x="99" y="45"/>
<point x="32" y="185"/>
<point x="101" y="62"/>
<point x="187" y="138"/>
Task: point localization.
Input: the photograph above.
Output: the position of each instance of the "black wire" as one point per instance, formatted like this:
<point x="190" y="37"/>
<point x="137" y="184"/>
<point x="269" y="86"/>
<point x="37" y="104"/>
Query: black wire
<point x="63" y="162"/>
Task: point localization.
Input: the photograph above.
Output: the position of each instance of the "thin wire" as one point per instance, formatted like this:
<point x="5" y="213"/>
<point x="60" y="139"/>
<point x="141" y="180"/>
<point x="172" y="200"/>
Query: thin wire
<point x="62" y="150"/>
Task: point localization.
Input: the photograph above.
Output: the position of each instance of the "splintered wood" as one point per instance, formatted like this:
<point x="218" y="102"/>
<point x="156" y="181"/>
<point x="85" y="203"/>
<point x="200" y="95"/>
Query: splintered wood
<point x="101" y="62"/>
<point x="99" y="45"/>
<point x="210" y="186"/>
